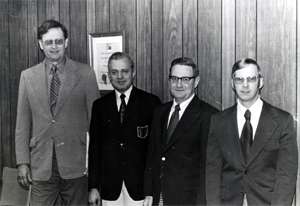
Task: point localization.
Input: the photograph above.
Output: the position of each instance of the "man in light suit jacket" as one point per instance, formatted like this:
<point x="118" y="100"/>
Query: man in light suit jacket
<point x="119" y="134"/>
<point x="251" y="160"/>
<point x="52" y="126"/>
<point x="175" y="170"/>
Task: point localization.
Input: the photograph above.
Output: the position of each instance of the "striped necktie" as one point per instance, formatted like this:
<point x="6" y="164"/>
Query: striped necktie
<point x="122" y="107"/>
<point x="54" y="88"/>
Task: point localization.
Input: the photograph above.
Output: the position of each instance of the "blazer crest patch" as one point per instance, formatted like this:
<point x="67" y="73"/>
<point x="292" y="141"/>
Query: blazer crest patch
<point x="142" y="132"/>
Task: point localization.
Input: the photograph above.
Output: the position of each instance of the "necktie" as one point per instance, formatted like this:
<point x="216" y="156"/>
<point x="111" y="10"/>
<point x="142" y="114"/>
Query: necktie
<point x="54" y="88"/>
<point x="246" y="138"/>
<point x="173" y="122"/>
<point x="122" y="107"/>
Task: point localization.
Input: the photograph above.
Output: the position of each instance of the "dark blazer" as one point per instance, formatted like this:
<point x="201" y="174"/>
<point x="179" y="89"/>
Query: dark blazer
<point x="37" y="130"/>
<point x="178" y="168"/>
<point x="117" y="152"/>
<point x="269" y="177"/>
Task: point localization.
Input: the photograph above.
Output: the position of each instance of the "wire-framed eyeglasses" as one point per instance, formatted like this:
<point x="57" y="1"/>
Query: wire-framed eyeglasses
<point x="184" y="80"/>
<point x="240" y="80"/>
<point x="56" y="41"/>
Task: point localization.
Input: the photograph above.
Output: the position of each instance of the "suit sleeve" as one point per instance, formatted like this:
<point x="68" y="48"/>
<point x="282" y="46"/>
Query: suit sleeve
<point x="149" y="171"/>
<point x="23" y="125"/>
<point x="213" y="167"/>
<point x="287" y="165"/>
<point x="94" y="150"/>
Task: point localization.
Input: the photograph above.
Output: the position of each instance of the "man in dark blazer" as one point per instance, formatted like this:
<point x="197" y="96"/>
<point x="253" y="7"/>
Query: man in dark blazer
<point x="175" y="170"/>
<point x="118" y="146"/>
<point x="251" y="160"/>
<point x="51" y="133"/>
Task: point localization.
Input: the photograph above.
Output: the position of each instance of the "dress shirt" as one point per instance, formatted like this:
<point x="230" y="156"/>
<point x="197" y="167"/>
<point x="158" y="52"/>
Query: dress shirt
<point x="183" y="106"/>
<point x="255" y="110"/>
<point x="60" y="70"/>
<point x="127" y="94"/>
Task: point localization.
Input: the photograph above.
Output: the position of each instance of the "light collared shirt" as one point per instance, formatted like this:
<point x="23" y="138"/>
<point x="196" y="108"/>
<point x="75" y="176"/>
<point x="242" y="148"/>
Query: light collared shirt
<point x="183" y="106"/>
<point x="255" y="110"/>
<point x="127" y="94"/>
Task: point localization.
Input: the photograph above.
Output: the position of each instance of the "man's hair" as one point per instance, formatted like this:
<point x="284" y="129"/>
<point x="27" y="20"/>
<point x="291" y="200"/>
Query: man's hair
<point x="118" y="56"/>
<point x="187" y="62"/>
<point x="242" y="64"/>
<point x="50" y="24"/>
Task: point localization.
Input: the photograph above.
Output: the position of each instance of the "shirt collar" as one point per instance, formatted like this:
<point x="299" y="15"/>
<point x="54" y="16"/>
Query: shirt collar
<point x="184" y="104"/>
<point x="127" y="94"/>
<point x="60" y="65"/>
<point x="253" y="109"/>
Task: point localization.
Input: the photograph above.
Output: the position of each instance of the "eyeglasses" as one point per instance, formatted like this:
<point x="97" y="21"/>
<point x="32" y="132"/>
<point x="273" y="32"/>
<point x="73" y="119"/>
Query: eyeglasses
<point x="184" y="80"/>
<point x="56" y="41"/>
<point x="239" y="80"/>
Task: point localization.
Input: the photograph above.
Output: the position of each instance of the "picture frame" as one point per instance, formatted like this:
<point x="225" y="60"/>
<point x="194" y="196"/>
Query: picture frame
<point x="101" y="46"/>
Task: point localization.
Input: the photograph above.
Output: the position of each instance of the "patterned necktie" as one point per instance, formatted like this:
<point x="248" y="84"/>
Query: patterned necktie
<point x="54" y="88"/>
<point x="246" y="137"/>
<point x="122" y="107"/>
<point x="173" y="122"/>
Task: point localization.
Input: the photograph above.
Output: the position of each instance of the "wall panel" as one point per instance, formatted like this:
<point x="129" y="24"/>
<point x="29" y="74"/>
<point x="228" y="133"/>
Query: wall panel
<point x="276" y="51"/>
<point x="172" y="38"/>
<point x="143" y="60"/>
<point x="210" y="51"/>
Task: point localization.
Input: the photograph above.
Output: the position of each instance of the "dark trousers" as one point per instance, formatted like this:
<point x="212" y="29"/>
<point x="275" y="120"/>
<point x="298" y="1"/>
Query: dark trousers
<point x="70" y="191"/>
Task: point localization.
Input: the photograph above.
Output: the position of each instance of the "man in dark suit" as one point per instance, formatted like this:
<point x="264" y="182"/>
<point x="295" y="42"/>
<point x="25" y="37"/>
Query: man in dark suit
<point x="252" y="148"/>
<point x="175" y="170"/>
<point x="119" y="140"/>
<point x="54" y="111"/>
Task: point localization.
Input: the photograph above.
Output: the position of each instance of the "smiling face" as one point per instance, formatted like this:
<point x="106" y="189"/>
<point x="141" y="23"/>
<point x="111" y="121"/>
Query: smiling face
<point x="247" y="92"/>
<point x="121" y="75"/>
<point x="54" y="52"/>
<point x="179" y="90"/>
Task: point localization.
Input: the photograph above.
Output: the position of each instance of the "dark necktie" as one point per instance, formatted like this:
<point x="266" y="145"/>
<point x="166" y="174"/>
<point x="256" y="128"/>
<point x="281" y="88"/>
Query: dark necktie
<point x="54" y="88"/>
<point x="122" y="107"/>
<point x="246" y="137"/>
<point x="173" y="122"/>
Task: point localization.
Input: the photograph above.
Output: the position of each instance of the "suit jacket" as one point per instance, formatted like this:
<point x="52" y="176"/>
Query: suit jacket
<point x="268" y="177"/>
<point x="37" y="130"/>
<point x="177" y="169"/>
<point x="117" y="152"/>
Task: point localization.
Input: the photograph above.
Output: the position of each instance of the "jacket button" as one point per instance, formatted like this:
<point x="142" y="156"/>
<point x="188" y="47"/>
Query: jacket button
<point x="53" y="121"/>
<point x="163" y="158"/>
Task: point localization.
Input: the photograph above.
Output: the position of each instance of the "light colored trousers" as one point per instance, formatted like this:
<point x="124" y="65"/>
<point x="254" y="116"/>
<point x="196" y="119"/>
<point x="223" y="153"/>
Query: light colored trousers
<point x="123" y="200"/>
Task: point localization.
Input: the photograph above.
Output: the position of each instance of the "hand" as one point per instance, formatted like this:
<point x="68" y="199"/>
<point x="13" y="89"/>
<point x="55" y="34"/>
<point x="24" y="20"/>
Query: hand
<point x="24" y="175"/>
<point x="94" y="197"/>
<point x="148" y="201"/>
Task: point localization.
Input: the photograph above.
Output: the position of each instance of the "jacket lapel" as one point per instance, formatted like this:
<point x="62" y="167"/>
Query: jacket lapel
<point x="190" y="115"/>
<point x="69" y="79"/>
<point x="39" y="84"/>
<point x="229" y="129"/>
<point x="265" y="128"/>
<point x="111" y="106"/>
<point x="133" y="103"/>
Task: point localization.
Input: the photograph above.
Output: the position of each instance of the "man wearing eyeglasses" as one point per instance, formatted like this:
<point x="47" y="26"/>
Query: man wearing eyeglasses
<point x="175" y="169"/>
<point x="252" y="148"/>
<point x="54" y="111"/>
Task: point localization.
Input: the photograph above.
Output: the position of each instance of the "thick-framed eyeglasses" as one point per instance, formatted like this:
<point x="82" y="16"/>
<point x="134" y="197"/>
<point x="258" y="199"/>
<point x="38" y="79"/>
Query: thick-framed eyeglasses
<point x="56" y="41"/>
<point x="184" y="80"/>
<point x="239" y="80"/>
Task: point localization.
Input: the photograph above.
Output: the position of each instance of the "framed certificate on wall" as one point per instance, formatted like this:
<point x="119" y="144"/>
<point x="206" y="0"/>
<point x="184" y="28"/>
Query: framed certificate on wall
<point x="101" y="47"/>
